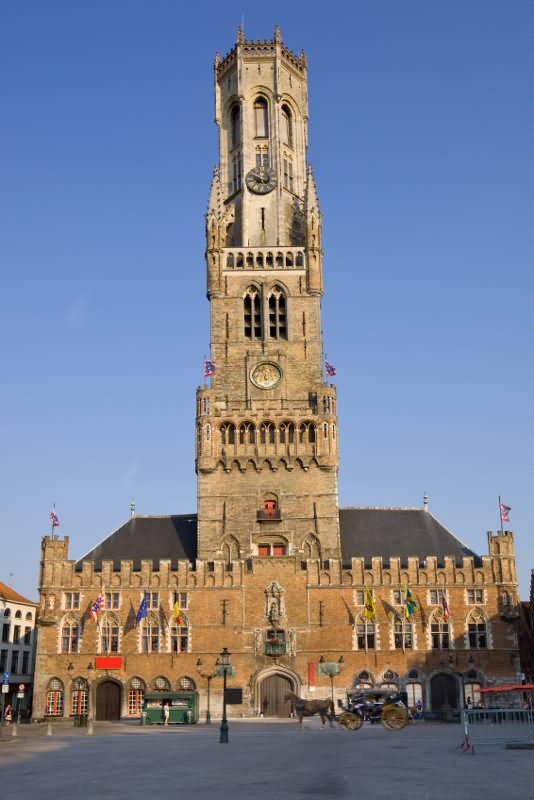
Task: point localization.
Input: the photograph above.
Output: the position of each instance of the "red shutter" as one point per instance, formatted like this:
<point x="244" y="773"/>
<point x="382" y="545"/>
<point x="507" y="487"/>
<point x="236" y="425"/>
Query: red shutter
<point x="311" y="674"/>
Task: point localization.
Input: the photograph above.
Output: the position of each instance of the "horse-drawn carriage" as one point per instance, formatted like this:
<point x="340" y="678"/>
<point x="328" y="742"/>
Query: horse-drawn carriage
<point x="373" y="705"/>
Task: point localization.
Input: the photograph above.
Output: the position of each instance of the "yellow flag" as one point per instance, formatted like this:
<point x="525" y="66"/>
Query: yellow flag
<point x="370" y="609"/>
<point x="176" y="612"/>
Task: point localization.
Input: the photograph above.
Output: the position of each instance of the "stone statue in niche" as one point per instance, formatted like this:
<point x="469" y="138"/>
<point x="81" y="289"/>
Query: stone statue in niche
<point x="51" y="601"/>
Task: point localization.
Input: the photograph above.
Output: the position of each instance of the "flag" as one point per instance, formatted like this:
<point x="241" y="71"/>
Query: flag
<point x="209" y="368"/>
<point x="409" y="604"/>
<point x="96" y="607"/>
<point x="54" y="518"/>
<point x="445" y="607"/>
<point x="505" y="512"/>
<point x="329" y="369"/>
<point x="177" y="613"/>
<point x="370" y="609"/>
<point x="143" y="609"/>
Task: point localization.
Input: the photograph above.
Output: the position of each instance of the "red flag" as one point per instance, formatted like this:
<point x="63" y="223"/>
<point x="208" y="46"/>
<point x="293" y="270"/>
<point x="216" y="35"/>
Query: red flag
<point x="54" y="518"/>
<point x="445" y="607"/>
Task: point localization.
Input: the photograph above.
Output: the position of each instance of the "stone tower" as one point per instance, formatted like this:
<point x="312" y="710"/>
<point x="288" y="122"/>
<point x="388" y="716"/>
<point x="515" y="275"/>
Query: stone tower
<point x="266" y="429"/>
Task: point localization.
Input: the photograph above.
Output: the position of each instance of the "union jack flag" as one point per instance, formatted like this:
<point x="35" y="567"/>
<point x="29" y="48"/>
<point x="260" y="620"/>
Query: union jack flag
<point x="505" y="512"/>
<point x="96" y="607"/>
<point x="54" y="518"/>
<point x="209" y="368"/>
<point x="329" y="369"/>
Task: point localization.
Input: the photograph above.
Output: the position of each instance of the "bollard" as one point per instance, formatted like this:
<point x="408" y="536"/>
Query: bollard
<point x="14" y="731"/>
<point x="49" y="728"/>
<point x="90" y="728"/>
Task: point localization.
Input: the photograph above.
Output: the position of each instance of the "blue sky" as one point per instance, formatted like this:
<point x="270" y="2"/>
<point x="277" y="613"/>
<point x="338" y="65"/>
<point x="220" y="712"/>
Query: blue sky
<point x="421" y="131"/>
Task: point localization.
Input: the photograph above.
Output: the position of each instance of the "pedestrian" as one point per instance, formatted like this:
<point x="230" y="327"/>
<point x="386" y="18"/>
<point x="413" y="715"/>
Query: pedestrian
<point x="8" y="714"/>
<point x="166" y="713"/>
<point x="419" y="709"/>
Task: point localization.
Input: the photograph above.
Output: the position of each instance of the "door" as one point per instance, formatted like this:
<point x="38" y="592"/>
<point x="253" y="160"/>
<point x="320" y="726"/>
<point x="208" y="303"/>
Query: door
<point x="272" y="692"/>
<point x="443" y="692"/>
<point x="108" y="701"/>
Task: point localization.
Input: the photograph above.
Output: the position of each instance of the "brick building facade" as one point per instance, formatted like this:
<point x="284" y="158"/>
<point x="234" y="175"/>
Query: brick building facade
<point x="269" y="566"/>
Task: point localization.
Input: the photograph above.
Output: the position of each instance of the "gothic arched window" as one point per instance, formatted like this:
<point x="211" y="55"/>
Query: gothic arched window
<point x="109" y="634"/>
<point x="267" y="433"/>
<point x="287" y="433"/>
<point x="365" y="634"/>
<point x="227" y="431"/>
<point x="80" y="698"/>
<point x="261" y="116"/>
<point x="252" y="313"/>
<point x="136" y="694"/>
<point x="312" y="548"/>
<point x="287" y="126"/>
<point x="235" y="126"/>
<point x="54" y="698"/>
<point x="277" y="314"/>
<point x="439" y="631"/>
<point x="247" y="433"/>
<point x="477" y="631"/>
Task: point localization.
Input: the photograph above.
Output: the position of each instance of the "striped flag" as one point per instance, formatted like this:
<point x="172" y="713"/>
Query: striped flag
<point x="209" y="368"/>
<point x="54" y="517"/>
<point x="505" y="512"/>
<point x="409" y="604"/>
<point x="444" y="607"/>
<point x="329" y="369"/>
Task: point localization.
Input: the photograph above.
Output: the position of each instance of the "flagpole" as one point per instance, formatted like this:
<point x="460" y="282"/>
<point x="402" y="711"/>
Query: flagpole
<point x="500" y="515"/>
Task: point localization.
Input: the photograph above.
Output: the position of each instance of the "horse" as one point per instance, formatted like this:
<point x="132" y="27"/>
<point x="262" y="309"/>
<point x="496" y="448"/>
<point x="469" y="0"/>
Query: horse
<point x="307" y="708"/>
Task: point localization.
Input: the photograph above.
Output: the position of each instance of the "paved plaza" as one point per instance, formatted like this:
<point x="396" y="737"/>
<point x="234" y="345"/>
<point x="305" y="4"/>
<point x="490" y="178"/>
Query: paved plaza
<point x="270" y="760"/>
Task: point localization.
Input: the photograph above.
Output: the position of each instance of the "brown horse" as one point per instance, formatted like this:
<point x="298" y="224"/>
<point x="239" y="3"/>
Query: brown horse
<point x="307" y="708"/>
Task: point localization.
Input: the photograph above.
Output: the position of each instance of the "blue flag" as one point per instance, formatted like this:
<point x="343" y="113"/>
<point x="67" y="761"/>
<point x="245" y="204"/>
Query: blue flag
<point x="143" y="609"/>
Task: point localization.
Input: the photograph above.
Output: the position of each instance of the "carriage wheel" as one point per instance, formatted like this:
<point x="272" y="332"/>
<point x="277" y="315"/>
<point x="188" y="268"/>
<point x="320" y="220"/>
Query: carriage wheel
<point x="350" y="721"/>
<point x="394" y="718"/>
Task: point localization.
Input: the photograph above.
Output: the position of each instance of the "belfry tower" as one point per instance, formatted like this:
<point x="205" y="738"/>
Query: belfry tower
<point x="266" y="443"/>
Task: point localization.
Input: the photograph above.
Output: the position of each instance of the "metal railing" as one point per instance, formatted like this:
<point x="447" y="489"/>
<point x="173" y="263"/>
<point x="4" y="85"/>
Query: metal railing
<point x="275" y="648"/>
<point x="497" y="726"/>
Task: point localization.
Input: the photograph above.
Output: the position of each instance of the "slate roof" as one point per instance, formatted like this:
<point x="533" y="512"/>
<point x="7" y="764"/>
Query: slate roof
<point x="400" y="532"/>
<point x="365" y="532"/>
<point x="141" y="538"/>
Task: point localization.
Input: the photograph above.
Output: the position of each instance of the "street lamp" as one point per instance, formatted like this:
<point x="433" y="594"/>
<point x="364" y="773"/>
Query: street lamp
<point x="224" y="667"/>
<point x="208" y="676"/>
<point x="331" y="668"/>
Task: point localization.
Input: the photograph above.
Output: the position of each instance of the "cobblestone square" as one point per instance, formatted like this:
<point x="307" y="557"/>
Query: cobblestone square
<point x="262" y="760"/>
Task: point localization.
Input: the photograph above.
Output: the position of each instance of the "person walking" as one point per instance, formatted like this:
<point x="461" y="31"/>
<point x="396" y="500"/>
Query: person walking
<point x="8" y="715"/>
<point x="166" y="713"/>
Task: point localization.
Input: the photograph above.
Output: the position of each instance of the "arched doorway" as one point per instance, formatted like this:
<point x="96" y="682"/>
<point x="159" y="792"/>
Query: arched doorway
<point x="273" y="689"/>
<point x="108" y="701"/>
<point x="443" y="692"/>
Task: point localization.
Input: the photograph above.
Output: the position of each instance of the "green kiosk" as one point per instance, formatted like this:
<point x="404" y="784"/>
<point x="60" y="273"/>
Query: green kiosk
<point x="183" y="708"/>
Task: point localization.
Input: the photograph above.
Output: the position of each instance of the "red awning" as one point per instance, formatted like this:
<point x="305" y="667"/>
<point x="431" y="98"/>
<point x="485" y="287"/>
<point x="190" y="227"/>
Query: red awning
<point x="510" y="687"/>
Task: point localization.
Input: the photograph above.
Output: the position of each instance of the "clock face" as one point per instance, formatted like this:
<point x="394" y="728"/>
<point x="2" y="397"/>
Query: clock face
<point x="266" y="375"/>
<point x="261" y="180"/>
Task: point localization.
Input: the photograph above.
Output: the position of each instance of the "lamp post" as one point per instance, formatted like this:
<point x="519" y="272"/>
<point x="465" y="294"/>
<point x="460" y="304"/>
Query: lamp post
<point x="331" y="668"/>
<point x="208" y="676"/>
<point x="224" y="666"/>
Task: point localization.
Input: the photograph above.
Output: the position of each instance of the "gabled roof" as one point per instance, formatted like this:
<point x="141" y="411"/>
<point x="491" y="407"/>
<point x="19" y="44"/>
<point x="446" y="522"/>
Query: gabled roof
<point x="7" y="593"/>
<point x="396" y="532"/>
<point x="155" y="538"/>
<point x="365" y="532"/>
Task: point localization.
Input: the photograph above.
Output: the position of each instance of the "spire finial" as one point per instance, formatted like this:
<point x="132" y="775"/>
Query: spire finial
<point x="132" y="508"/>
<point x="425" y="501"/>
<point x="240" y="34"/>
<point x="277" y="34"/>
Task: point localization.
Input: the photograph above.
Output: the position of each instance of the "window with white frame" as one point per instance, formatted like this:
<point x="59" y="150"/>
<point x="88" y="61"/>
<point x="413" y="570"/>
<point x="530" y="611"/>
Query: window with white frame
<point x="80" y="698"/>
<point x="365" y="634"/>
<point x="477" y="631"/>
<point x="71" y="601"/>
<point x="475" y="597"/>
<point x="112" y="600"/>
<point x="70" y="637"/>
<point x="472" y="695"/>
<point x="435" y="596"/>
<point x="109" y="636"/>
<point x="151" y="637"/>
<point x="54" y="698"/>
<point x="136" y="694"/>
<point x="402" y="634"/>
<point x="179" y="639"/>
<point x="153" y="600"/>
<point x="359" y="597"/>
<point x="439" y="632"/>
<point x="415" y="694"/>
